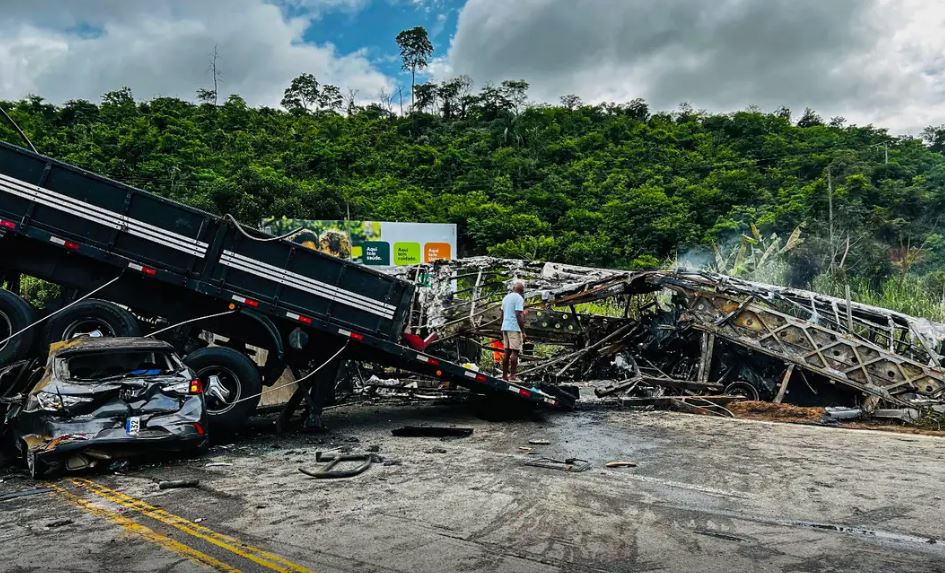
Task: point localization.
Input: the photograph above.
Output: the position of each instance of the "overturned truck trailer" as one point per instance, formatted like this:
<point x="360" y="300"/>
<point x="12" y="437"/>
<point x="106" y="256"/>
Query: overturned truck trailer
<point x="692" y="333"/>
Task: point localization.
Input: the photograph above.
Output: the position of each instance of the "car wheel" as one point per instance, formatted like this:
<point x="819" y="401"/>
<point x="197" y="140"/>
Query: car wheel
<point x="92" y="317"/>
<point x="743" y="389"/>
<point x="15" y="315"/>
<point x="231" y="384"/>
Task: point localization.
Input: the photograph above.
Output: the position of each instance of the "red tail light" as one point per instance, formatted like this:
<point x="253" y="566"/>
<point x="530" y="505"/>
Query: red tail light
<point x="196" y="386"/>
<point x="200" y="430"/>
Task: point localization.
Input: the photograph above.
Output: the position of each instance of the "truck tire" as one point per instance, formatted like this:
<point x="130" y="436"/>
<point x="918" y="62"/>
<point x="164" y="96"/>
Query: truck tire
<point x="15" y="314"/>
<point x="746" y="390"/>
<point x="231" y="383"/>
<point x="93" y="317"/>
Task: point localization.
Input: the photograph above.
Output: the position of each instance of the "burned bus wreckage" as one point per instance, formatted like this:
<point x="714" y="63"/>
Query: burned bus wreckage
<point x="655" y="335"/>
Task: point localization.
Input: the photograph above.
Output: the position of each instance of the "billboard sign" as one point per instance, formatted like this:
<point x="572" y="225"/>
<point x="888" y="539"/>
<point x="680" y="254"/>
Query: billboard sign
<point x="371" y="243"/>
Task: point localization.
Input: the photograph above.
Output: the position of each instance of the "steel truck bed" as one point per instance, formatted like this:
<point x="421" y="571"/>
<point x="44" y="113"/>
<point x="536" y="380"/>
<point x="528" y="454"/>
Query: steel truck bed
<point x="78" y="229"/>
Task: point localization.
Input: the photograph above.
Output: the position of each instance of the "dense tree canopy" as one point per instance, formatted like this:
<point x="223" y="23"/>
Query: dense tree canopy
<point x="610" y="185"/>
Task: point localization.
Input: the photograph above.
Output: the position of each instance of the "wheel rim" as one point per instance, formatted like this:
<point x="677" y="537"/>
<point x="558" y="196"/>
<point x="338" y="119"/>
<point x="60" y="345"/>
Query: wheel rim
<point x="31" y="462"/>
<point x="743" y="389"/>
<point x="6" y="329"/>
<point x="88" y="326"/>
<point x="230" y="382"/>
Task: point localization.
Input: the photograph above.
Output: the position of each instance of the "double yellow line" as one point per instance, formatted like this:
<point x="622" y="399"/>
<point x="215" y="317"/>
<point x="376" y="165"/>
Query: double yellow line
<point x="259" y="556"/>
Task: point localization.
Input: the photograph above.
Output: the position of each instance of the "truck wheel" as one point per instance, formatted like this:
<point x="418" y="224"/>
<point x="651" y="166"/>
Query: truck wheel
<point x="15" y="314"/>
<point x="743" y="388"/>
<point x="231" y="384"/>
<point x="92" y="317"/>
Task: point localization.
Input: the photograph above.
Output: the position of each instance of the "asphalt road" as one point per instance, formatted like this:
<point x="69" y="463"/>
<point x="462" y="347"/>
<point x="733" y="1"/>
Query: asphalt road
<point x="707" y="495"/>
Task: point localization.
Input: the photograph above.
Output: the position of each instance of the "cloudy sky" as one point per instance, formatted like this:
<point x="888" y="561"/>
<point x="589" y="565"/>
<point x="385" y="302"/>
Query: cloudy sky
<point x="871" y="61"/>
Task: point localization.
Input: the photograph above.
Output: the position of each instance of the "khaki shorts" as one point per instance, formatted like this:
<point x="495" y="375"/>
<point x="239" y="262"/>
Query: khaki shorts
<point x="512" y="340"/>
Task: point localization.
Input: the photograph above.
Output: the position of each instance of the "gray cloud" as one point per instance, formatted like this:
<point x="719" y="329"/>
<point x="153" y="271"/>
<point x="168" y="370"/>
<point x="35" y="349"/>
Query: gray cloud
<point x="868" y="60"/>
<point x="69" y="50"/>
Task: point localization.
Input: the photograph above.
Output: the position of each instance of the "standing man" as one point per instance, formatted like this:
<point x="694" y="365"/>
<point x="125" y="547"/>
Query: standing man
<point x="513" y="329"/>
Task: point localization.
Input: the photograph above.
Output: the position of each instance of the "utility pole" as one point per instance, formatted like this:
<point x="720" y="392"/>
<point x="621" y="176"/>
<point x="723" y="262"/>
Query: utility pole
<point x="885" y="145"/>
<point x="833" y="254"/>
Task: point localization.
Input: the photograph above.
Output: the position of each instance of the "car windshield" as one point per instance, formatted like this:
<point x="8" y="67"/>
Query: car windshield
<point x="116" y="364"/>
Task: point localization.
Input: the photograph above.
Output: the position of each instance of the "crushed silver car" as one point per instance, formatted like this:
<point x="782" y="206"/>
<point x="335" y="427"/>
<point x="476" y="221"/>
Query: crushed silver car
<point x="100" y="399"/>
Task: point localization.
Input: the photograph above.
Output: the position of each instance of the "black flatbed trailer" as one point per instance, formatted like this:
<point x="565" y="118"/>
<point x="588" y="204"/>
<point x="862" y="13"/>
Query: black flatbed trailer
<point x="79" y="230"/>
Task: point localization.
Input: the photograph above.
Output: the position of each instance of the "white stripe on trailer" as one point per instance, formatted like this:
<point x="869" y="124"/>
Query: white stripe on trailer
<point x="135" y="267"/>
<point x="293" y="316"/>
<point x="58" y="241"/>
<point x="108" y="219"/>
<point x="302" y="279"/>
<point x="308" y="289"/>
<point x="344" y="332"/>
<point x="351" y="299"/>
<point x="102" y="216"/>
<point x="423" y="358"/>
<point x="470" y="374"/>
<point x="239" y="299"/>
<point x="34" y="191"/>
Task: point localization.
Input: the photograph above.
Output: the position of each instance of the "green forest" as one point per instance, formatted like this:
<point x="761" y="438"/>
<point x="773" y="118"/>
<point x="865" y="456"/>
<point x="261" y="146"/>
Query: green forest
<point x="618" y="185"/>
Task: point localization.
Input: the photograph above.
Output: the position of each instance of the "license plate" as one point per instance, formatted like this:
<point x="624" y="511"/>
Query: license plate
<point x="133" y="425"/>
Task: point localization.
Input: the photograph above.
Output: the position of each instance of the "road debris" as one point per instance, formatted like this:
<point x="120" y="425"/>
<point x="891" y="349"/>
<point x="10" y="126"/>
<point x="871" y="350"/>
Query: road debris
<point x="567" y="464"/>
<point x="538" y="442"/>
<point x="329" y="471"/>
<point x="432" y="432"/>
<point x="621" y="464"/>
<point x="179" y="483"/>
<point x="58" y="523"/>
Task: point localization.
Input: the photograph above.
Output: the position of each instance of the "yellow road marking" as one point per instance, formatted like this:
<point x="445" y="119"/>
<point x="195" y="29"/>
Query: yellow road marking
<point x="259" y="556"/>
<point x="146" y="532"/>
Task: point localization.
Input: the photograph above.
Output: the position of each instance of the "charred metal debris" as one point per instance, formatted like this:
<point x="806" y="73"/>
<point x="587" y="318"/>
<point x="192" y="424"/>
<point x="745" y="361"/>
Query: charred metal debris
<point x="657" y="336"/>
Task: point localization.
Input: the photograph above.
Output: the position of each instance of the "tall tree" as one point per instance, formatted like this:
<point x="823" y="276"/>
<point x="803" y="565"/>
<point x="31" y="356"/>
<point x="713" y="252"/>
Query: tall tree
<point x="452" y="94"/>
<point x="426" y="96"/>
<point x="934" y="136"/>
<point x="301" y="94"/>
<point x="516" y="91"/>
<point x="571" y="101"/>
<point x="330" y="98"/>
<point x="415" y="50"/>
